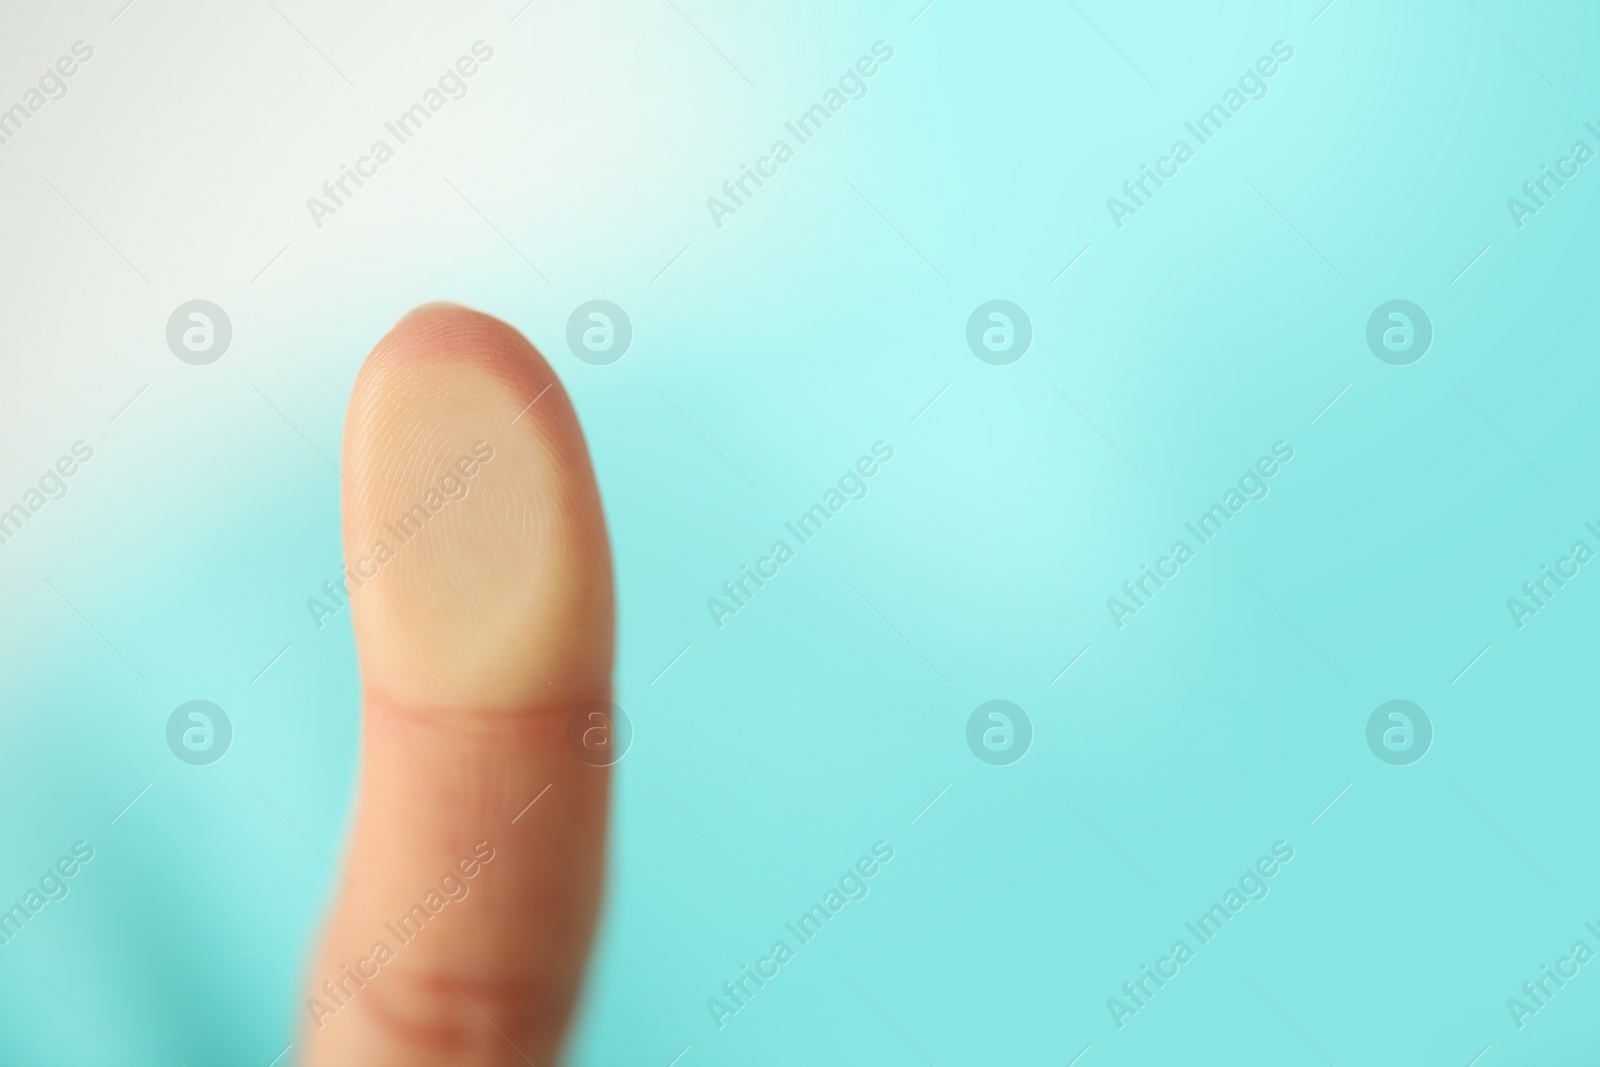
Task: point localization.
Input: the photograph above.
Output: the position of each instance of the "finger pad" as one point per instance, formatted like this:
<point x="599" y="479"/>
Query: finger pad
<point x="476" y="552"/>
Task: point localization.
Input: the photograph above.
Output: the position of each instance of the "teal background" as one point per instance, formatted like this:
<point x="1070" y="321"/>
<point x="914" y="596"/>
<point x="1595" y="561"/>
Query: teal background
<point x="1221" y="318"/>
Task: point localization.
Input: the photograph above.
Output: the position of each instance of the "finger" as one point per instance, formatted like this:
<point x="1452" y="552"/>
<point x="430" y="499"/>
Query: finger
<point x="480" y="587"/>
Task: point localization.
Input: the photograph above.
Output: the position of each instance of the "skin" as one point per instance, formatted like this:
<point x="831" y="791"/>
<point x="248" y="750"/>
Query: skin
<point x="486" y="632"/>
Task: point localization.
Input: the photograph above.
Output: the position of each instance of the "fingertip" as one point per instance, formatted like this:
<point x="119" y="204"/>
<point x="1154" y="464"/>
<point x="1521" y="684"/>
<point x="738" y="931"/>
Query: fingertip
<point x="472" y="482"/>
